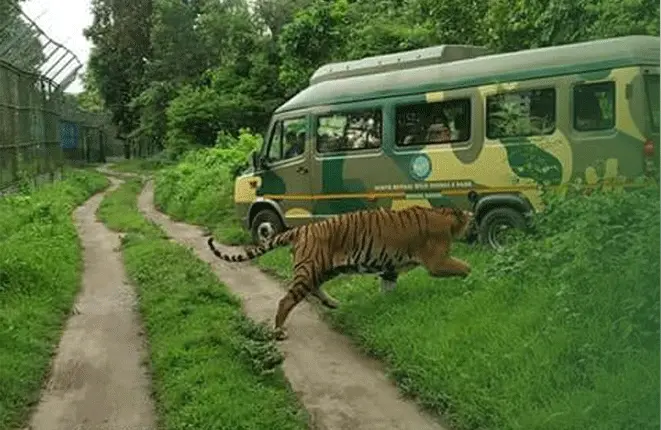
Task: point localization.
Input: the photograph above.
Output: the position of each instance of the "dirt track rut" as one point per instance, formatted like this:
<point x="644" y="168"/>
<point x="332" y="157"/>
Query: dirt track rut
<point x="341" y="388"/>
<point x="98" y="379"/>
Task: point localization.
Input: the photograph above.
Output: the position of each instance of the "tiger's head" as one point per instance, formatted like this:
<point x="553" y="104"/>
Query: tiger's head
<point x="462" y="221"/>
<point x="452" y="218"/>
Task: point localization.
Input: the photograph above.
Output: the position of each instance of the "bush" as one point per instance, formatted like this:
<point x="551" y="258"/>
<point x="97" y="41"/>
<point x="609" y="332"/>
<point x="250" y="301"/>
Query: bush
<point x="200" y="188"/>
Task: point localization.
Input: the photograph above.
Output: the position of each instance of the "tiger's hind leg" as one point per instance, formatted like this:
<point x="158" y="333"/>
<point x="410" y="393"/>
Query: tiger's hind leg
<point x="325" y="298"/>
<point x="390" y="275"/>
<point x="448" y="267"/>
<point x="300" y="287"/>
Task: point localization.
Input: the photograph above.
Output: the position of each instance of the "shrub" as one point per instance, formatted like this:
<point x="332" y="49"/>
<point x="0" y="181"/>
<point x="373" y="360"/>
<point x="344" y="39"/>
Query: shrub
<point x="200" y="188"/>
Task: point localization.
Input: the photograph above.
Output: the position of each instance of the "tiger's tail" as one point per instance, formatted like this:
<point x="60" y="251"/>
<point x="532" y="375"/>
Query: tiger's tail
<point x="282" y="239"/>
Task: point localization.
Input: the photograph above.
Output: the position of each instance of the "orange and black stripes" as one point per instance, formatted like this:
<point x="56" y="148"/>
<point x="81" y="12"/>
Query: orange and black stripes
<point x="250" y="253"/>
<point x="381" y="241"/>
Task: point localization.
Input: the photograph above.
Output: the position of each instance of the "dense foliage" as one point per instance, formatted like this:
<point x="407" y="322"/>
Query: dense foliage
<point x="200" y="188"/>
<point x="176" y="73"/>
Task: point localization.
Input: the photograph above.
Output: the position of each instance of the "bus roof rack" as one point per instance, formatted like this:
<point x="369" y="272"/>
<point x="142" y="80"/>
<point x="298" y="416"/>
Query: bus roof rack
<point x="397" y="61"/>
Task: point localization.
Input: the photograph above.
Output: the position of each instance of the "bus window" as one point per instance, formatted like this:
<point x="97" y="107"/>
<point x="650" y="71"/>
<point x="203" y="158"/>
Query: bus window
<point x="594" y="106"/>
<point x="652" y="87"/>
<point x="294" y="132"/>
<point x="434" y="123"/>
<point x="521" y="113"/>
<point x="349" y="131"/>
<point x="274" y="152"/>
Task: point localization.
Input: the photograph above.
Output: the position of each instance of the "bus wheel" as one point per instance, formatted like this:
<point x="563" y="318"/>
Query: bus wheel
<point x="496" y="224"/>
<point x="265" y="225"/>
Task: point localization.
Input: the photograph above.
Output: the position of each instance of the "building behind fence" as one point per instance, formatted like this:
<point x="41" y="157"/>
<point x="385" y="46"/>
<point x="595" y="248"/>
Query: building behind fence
<point x="41" y="130"/>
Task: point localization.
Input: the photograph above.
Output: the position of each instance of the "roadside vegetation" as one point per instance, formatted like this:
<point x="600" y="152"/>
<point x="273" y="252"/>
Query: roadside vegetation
<point x="212" y="367"/>
<point x="560" y="330"/>
<point x="200" y="189"/>
<point x="40" y="274"/>
<point x="141" y="165"/>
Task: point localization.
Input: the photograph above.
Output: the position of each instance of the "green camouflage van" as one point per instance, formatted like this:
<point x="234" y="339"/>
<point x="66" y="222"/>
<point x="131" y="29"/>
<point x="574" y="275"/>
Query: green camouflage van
<point x="426" y="127"/>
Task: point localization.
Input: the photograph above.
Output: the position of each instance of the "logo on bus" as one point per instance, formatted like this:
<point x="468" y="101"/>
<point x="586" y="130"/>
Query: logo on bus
<point x="420" y="167"/>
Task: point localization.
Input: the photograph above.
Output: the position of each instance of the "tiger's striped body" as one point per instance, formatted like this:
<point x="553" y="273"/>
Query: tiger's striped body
<point x="381" y="241"/>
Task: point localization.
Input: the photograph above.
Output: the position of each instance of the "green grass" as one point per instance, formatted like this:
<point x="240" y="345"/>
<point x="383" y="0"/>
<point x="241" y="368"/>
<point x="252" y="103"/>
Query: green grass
<point x="212" y="367"/>
<point x="119" y="211"/>
<point x="40" y="274"/>
<point x="141" y="165"/>
<point x="556" y="333"/>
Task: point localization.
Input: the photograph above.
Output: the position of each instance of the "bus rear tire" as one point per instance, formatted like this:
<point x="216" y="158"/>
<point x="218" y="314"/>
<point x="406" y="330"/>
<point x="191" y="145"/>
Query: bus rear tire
<point x="265" y="225"/>
<point x="495" y="223"/>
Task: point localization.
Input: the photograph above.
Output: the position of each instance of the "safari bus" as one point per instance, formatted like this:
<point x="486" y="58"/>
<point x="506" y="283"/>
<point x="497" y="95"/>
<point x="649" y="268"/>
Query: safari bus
<point x="428" y="126"/>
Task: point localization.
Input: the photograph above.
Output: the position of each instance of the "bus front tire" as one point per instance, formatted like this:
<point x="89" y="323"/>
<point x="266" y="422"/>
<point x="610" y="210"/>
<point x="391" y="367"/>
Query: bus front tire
<point x="265" y="225"/>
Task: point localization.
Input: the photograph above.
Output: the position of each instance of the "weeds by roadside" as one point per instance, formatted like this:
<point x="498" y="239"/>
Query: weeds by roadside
<point x="119" y="211"/>
<point x="212" y="367"/>
<point x="142" y="165"/>
<point x="40" y="270"/>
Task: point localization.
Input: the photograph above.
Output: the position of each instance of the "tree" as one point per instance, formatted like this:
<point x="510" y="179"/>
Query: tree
<point x="90" y="98"/>
<point x="120" y="33"/>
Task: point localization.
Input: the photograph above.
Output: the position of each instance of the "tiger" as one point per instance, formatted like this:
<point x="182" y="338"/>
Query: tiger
<point x="379" y="241"/>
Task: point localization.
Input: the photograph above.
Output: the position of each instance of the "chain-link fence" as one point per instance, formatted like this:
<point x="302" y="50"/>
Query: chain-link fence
<point x="41" y="129"/>
<point x="87" y="137"/>
<point x="29" y="141"/>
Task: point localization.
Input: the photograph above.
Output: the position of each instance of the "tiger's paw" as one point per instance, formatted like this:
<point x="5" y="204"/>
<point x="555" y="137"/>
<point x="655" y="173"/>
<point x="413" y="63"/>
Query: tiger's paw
<point x="387" y="286"/>
<point x="280" y="334"/>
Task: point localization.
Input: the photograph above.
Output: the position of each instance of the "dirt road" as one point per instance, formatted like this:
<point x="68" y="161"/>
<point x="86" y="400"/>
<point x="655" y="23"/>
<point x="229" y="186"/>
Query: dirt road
<point x="98" y="380"/>
<point x="341" y="388"/>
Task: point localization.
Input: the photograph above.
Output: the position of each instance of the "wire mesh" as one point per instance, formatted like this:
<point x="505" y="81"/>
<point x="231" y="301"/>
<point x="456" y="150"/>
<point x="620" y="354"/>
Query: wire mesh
<point x="42" y="128"/>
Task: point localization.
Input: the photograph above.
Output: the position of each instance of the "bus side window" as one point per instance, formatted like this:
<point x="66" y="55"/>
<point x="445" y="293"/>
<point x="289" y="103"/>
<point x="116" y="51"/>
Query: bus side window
<point x="294" y="137"/>
<point x="434" y="123"/>
<point x="521" y="113"/>
<point x="594" y="106"/>
<point x="349" y="131"/>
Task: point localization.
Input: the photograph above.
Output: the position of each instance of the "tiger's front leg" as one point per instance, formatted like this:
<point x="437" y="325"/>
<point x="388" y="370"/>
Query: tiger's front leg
<point x="390" y="275"/>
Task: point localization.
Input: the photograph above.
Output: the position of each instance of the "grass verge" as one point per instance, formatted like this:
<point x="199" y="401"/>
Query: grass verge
<point x="141" y="165"/>
<point x="560" y="332"/>
<point x="40" y="274"/>
<point x="212" y="367"/>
